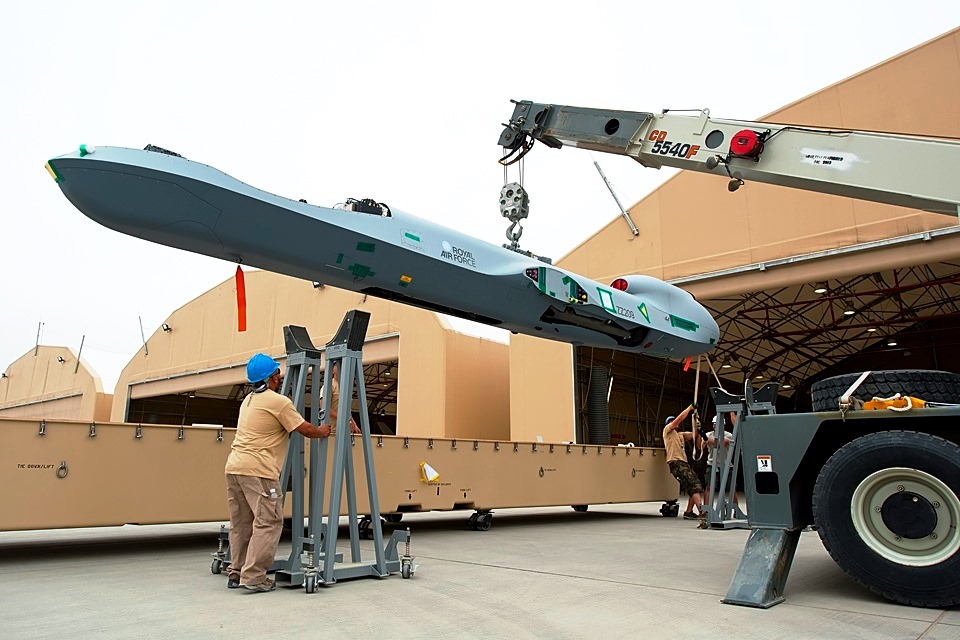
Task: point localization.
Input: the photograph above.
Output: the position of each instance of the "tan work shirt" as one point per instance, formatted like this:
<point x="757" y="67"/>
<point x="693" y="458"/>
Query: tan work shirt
<point x="334" y="401"/>
<point x="263" y="430"/>
<point x="673" y="441"/>
<point x="334" y="405"/>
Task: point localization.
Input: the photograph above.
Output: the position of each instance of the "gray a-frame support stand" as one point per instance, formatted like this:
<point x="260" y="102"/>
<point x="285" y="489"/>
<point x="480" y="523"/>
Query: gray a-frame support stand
<point x="723" y="512"/>
<point x="319" y="547"/>
<point x="768" y="554"/>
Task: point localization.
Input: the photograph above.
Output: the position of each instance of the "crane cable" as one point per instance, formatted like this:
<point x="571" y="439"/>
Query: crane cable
<point x="521" y="148"/>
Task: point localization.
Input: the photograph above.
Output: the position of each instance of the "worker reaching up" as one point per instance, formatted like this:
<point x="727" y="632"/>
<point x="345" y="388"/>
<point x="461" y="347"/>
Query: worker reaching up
<point x="254" y="495"/>
<point x="673" y="441"/>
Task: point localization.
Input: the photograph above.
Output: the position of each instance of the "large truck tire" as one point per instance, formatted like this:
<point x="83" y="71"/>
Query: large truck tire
<point x="931" y="386"/>
<point x="887" y="507"/>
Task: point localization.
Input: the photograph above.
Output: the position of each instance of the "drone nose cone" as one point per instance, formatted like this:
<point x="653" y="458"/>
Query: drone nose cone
<point x="138" y="201"/>
<point x="710" y="326"/>
<point x="707" y="330"/>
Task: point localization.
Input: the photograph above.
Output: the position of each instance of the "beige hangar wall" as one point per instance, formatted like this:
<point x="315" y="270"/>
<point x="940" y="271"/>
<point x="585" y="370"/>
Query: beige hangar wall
<point x="203" y="342"/>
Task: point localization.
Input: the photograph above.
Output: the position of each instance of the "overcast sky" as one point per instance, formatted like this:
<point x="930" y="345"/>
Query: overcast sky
<point x="397" y="101"/>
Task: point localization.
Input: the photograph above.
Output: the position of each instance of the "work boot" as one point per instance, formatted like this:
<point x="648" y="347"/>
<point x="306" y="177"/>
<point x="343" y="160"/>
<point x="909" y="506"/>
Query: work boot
<point x="266" y="585"/>
<point x="233" y="581"/>
<point x="690" y="515"/>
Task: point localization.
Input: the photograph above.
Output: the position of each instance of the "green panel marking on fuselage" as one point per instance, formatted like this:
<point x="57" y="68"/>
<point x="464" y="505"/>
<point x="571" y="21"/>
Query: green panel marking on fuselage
<point x="339" y="258"/>
<point x="368" y="247"/>
<point x="360" y="271"/>
<point x="606" y="300"/>
<point x="683" y="323"/>
<point x="643" y="311"/>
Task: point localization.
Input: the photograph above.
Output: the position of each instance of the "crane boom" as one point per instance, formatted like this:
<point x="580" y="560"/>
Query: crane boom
<point x="904" y="170"/>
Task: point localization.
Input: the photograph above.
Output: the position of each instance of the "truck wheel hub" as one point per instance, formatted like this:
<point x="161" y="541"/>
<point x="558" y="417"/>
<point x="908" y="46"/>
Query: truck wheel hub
<point x="909" y="515"/>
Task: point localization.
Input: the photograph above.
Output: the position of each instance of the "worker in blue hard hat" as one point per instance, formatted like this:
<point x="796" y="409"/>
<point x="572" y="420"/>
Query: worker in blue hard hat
<point x="254" y="495"/>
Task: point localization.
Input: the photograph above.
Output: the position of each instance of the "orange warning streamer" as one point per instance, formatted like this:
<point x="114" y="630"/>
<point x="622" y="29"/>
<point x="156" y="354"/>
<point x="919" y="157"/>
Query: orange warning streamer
<point x="241" y="301"/>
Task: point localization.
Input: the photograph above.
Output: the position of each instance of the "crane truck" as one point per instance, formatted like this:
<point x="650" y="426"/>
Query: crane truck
<point x="882" y="488"/>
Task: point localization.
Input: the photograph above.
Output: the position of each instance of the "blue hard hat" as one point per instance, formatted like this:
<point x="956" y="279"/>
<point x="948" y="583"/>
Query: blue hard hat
<point x="669" y="420"/>
<point x="261" y="367"/>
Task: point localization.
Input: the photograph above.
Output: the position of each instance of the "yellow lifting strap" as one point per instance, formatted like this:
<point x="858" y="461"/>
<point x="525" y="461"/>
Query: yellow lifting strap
<point x="896" y="403"/>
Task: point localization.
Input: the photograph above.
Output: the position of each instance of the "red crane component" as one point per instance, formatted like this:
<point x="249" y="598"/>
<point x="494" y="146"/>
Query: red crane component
<point x="746" y="144"/>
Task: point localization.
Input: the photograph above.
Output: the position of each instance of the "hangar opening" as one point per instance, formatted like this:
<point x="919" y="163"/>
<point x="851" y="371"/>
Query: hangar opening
<point x="220" y="404"/>
<point x="640" y="389"/>
<point x="899" y="318"/>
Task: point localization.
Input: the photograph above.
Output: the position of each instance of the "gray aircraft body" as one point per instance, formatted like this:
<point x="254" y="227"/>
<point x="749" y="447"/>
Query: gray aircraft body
<point x="387" y="253"/>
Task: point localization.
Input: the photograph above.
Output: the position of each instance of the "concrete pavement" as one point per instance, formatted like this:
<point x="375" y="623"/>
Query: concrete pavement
<point x="614" y="571"/>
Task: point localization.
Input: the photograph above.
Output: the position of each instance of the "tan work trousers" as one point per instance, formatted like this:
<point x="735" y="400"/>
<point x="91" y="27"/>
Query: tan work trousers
<point x="256" y="521"/>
